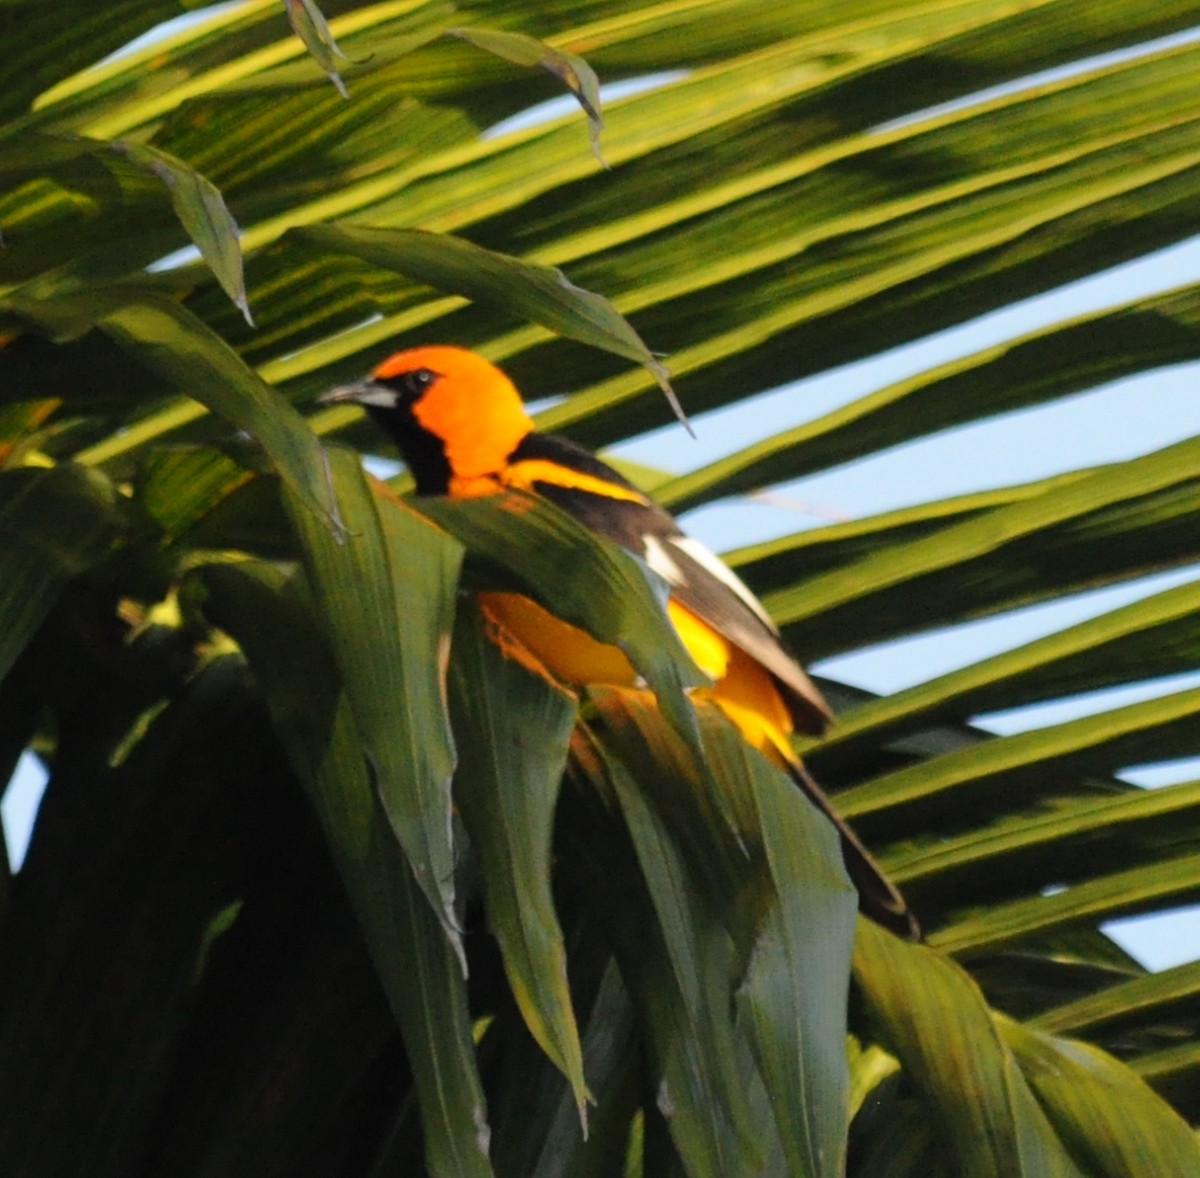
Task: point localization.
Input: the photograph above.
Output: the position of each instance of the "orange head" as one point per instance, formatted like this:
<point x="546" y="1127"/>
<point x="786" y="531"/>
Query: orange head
<point x="454" y="415"/>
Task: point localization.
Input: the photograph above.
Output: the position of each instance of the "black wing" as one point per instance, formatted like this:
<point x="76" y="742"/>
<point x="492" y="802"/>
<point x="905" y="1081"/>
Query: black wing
<point x="711" y="591"/>
<point x="698" y="578"/>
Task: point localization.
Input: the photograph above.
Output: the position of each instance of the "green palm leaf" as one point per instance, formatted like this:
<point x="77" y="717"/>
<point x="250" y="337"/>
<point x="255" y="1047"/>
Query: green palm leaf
<point x="212" y="620"/>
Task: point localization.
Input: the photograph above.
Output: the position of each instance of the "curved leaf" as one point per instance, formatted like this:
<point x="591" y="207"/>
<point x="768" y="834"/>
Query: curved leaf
<point x="605" y="590"/>
<point x="935" y="1021"/>
<point x="678" y="964"/>
<point x="1108" y="1117"/>
<point x="455" y="266"/>
<point x="54" y="524"/>
<point x="576" y="74"/>
<point x="386" y="593"/>
<point x="183" y="350"/>
<point x="1173" y="1073"/>
<point x="512" y="728"/>
<point x="271" y="614"/>
<point x="310" y="26"/>
<point x="202" y="211"/>
<point x="778" y="860"/>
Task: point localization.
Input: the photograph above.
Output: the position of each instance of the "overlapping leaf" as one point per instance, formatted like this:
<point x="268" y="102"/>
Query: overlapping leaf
<point x="385" y="590"/>
<point x="54" y="525"/>
<point x="737" y="850"/>
<point x="937" y="1024"/>
<point x="513" y="727"/>
<point x="273" y="616"/>
<point x="593" y="583"/>
<point x="772" y="210"/>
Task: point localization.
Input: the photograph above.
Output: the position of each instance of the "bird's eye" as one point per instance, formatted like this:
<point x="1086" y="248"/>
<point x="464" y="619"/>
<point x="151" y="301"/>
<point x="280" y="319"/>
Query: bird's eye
<point x="417" y="381"/>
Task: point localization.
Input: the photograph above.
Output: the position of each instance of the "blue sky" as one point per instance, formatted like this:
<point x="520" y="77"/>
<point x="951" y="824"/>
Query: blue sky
<point x="1116" y="421"/>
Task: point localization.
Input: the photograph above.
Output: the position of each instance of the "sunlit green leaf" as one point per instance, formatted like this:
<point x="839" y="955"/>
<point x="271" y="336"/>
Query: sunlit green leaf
<point x="988" y="554"/>
<point x="1163" y="884"/>
<point x="793" y="188"/>
<point x="1108" y="1118"/>
<point x="1105" y="742"/>
<point x="1042" y="366"/>
<point x="1137" y="999"/>
<point x="1155" y="636"/>
<point x="933" y="1019"/>
<point x="1067" y="841"/>
<point x="576" y="74"/>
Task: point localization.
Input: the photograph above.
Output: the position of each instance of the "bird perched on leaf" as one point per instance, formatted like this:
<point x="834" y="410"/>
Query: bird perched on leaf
<point x="463" y="431"/>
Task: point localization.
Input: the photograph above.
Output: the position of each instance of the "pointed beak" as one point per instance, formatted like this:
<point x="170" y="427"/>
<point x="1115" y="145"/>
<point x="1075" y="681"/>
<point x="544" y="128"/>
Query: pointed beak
<point x="363" y="392"/>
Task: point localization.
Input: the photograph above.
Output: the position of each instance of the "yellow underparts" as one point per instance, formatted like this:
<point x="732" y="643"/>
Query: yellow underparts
<point x="743" y="690"/>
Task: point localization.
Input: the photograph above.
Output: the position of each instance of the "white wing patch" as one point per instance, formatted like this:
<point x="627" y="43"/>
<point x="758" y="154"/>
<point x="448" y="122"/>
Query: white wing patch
<point x="710" y="562"/>
<point x="659" y="559"/>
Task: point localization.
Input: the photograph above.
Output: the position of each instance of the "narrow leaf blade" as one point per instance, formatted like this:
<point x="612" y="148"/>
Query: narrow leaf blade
<point x="931" y="1016"/>
<point x="183" y="350"/>
<point x="454" y="265"/>
<point x="513" y="730"/>
<point x="202" y="211"/>
<point x="1110" y="1119"/>
<point x="270" y="613"/>
<point x="386" y="593"/>
<point x="576" y="74"/>
<point x="310" y="26"/>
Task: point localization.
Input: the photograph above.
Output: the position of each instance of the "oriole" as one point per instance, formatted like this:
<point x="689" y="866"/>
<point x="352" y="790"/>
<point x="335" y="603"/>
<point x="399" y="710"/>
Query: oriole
<point x="463" y="430"/>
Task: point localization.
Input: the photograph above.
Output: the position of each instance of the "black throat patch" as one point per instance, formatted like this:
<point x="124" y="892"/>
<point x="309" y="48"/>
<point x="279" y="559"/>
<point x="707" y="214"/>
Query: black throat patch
<point x="424" y="453"/>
